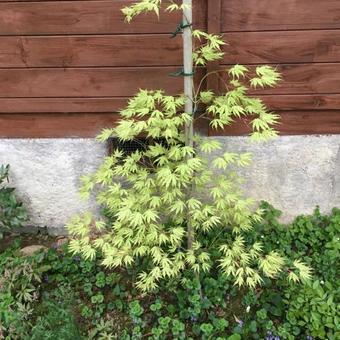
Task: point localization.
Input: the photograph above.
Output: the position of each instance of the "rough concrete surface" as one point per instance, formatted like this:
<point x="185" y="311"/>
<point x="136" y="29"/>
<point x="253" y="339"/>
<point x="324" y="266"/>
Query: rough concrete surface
<point x="46" y="174"/>
<point x="295" y="173"/>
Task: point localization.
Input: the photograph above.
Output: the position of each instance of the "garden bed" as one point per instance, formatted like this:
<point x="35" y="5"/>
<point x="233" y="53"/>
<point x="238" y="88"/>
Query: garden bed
<point x="54" y="295"/>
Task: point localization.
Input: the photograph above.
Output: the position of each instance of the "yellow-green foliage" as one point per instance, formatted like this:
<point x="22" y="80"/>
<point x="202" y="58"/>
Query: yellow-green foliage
<point x="144" y="6"/>
<point x="152" y="195"/>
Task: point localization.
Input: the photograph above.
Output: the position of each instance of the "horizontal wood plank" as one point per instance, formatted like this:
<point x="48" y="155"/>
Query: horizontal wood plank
<point x="62" y="105"/>
<point x="302" y="102"/>
<point x="85" y="17"/>
<point x="73" y="51"/>
<point x="267" y="15"/>
<point x="291" y="123"/>
<point x="87" y="82"/>
<point x="55" y="125"/>
<point x="304" y="79"/>
<point x="115" y="104"/>
<point x="89" y="124"/>
<point x="61" y="125"/>
<point x="122" y="82"/>
<point x="282" y="47"/>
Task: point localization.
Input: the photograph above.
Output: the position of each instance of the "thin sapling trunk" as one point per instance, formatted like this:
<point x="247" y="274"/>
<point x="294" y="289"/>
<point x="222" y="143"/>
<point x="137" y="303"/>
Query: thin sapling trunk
<point x="188" y="68"/>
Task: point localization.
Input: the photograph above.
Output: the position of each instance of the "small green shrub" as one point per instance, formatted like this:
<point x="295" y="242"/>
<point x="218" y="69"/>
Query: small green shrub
<point x="163" y="202"/>
<point x="12" y="212"/>
<point x="19" y="291"/>
<point x="314" y="308"/>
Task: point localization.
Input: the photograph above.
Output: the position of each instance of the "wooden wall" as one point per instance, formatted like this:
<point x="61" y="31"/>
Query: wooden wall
<point x="302" y="39"/>
<point x="66" y="67"/>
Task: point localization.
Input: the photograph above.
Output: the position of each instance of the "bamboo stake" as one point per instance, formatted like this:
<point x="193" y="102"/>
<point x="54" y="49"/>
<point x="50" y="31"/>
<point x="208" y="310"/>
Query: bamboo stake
<point x="188" y="68"/>
<point x="188" y="87"/>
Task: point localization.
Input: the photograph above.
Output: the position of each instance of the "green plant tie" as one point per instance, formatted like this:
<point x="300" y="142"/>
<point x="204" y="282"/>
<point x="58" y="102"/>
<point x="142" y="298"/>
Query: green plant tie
<point x="181" y="73"/>
<point x="180" y="27"/>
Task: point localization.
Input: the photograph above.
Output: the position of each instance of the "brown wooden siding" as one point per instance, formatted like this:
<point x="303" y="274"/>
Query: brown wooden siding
<point x="83" y="17"/>
<point x="279" y="15"/>
<point x="58" y="125"/>
<point x="67" y="66"/>
<point x="301" y="38"/>
<point x="90" y="51"/>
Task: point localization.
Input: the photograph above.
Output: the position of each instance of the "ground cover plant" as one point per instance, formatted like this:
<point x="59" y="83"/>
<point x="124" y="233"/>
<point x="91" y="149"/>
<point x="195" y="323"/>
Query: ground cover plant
<point x="54" y="295"/>
<point x="12" y="212"/>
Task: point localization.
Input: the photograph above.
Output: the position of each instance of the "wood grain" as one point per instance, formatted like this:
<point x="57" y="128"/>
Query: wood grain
<point x="87" y="82"/>
<point x="121" y="50"/>
<point x="83" y="51"/>
<point x="54" y="125"/>
<point x="115" y="104"/>
<point x="269" y="15"/>
<point x="62" y="105"/>
<point x="59" y="125"/>
<point x="84" y="17"/>
<point x="302" y="102"/>
<point x="292" y="123"/>
<point x="282" y="47"/>
<point x="122" y="82"/>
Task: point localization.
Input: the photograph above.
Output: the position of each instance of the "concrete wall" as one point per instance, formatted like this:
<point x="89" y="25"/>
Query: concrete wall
<point x="46" y="174"/>
<point x="295" y="173"/>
